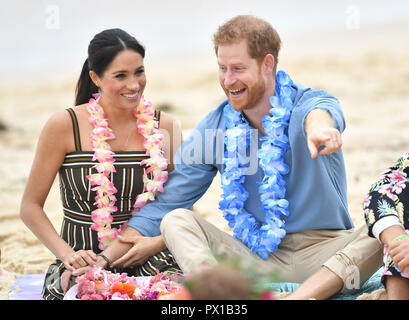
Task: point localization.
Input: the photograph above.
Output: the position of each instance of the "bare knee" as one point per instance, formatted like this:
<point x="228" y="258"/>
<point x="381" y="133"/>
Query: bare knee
<point x="397" y="288"/>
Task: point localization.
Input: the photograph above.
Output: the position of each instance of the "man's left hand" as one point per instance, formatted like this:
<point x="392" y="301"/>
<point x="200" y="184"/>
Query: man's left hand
<point x="142" y="249"/>
<point x="329" y="137"/>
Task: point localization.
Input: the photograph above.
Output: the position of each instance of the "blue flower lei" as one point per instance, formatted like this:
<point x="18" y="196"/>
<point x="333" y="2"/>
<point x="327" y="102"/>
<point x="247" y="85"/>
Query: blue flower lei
<point x="265" y="239"/>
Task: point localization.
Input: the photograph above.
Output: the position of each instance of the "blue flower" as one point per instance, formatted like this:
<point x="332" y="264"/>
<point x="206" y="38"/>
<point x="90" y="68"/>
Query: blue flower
<point x="283" y="79"/>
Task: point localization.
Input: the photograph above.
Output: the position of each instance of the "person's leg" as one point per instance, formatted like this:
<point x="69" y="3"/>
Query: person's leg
<point x="397" y="288"/>
<point x="321" y="285"/>
<point x="352" y="259"/>
<point x="193" y="241"/>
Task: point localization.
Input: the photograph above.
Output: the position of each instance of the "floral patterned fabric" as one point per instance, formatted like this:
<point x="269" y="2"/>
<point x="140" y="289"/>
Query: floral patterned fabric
<point x="389" y="195"/>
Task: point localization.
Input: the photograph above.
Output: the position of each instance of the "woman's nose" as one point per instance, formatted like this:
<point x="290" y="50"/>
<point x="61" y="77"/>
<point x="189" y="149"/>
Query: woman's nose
<point x="133" y="84"/>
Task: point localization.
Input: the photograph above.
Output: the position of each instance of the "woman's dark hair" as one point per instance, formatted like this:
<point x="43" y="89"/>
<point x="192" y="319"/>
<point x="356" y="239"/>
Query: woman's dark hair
<point x="101" y="51"/>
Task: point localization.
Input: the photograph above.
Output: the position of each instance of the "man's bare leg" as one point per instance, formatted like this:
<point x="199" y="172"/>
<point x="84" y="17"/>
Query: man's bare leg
<point x="397" y="288"/>
<point x="321" y="285"/>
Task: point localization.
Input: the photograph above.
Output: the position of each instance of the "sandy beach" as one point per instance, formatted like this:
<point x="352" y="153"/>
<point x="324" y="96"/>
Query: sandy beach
<point x="370" y="79"/>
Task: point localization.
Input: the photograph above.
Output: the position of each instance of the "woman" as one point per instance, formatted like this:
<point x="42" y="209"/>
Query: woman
<point x="387" y="218"/>
<point x="107" y="152"/>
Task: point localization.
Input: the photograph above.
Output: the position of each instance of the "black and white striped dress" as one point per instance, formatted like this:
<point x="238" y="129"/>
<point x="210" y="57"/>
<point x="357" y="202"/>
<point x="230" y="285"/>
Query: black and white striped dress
<point x="78" y="203"/>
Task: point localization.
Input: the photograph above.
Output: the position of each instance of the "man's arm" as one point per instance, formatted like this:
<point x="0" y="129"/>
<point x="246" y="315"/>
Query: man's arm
<point x="186" y="184"/>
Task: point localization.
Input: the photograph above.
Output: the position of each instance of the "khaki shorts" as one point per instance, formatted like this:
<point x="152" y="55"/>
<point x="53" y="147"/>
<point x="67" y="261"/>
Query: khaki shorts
<point x="351" y="254"/>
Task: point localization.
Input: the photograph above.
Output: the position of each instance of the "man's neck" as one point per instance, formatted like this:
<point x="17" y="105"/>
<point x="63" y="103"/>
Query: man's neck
<point x="255" y="117"/>
<point x="255" y="114"/>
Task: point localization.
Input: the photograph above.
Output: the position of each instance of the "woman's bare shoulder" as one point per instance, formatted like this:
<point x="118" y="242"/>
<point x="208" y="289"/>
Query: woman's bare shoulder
<point x="61" y="120"/>
<point x="169" y="122"/>
<point x="58" y="121"/>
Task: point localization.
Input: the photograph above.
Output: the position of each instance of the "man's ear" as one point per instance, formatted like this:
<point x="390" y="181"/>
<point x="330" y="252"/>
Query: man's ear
<point x="268" y="64"/>
<point x="94" y="77"/>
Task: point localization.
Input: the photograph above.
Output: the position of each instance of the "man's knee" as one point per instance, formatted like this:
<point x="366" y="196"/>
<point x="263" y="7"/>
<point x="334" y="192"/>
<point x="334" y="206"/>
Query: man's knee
<point x="174" y="218"/>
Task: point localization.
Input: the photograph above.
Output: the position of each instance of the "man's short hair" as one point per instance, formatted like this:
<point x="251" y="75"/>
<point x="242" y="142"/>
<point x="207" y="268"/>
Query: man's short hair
<point x="262" y="38"/>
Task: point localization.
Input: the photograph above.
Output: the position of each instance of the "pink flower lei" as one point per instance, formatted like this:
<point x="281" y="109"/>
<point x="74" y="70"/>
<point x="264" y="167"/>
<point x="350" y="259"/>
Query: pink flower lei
<point x="155" y="174"/>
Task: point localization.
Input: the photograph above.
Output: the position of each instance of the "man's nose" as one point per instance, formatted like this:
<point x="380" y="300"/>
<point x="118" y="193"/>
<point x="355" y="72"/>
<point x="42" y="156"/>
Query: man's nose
<point x="228" y="79"/>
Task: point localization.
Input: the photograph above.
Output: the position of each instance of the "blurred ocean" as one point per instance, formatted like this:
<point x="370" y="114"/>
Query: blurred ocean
<point x="53" y="35"/>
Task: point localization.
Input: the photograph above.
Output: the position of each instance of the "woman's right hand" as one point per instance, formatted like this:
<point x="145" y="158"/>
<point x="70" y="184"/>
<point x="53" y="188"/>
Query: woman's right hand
<point x="79" y="259"/>
<point x="76" y="260"/>
<point x="399" y="252"/>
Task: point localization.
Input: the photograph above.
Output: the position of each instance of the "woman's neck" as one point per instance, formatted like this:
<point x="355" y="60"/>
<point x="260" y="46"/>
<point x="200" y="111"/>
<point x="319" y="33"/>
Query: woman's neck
<point x="117" y="117"/>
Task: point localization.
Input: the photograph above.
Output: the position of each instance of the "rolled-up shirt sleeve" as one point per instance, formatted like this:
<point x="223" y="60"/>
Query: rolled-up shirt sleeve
<point x="319" y="99"/>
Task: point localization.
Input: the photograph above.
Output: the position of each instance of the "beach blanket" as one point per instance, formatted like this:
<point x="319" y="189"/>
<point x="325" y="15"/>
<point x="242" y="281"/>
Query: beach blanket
<point x="374" y="283"/>
<point x="29" y="286"/>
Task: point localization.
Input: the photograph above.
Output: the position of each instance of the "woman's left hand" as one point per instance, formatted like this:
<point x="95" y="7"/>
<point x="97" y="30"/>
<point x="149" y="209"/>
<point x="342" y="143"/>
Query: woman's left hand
<point x="142" y="249"/>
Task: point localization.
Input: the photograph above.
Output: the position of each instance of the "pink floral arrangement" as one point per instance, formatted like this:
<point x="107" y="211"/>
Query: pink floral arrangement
<point x="99" y="284"/>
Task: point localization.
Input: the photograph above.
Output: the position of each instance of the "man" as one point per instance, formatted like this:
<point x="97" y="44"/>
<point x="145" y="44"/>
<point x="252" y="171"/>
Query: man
<point x="290" y="211"/>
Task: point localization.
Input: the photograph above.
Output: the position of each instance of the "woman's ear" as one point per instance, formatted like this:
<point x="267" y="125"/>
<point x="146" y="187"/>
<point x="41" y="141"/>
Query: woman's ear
<point x="94" y="77"/>
<point x="268" y="64"/>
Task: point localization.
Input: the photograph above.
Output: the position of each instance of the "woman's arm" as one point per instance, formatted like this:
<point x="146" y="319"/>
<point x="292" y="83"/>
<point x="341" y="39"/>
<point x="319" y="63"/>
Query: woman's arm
<point x="391" y="233"/>
<point x="52" y="146"/>
<point x="398" y="246"/>
<point x="384" y="210"/>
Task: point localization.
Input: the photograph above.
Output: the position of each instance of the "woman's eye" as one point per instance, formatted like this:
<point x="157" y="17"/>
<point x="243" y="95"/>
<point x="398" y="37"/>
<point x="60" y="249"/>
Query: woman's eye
<point x="118" y="76"/>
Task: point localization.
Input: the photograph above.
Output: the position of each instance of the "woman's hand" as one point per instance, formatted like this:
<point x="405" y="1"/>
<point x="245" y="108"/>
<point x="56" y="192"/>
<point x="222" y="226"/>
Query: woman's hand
<point x="399" y="252"/>
<point x="79" y="259"/>
<point x="142" y="249"/>
<point x="65" y="280"/>
<point x="76" y="263"/>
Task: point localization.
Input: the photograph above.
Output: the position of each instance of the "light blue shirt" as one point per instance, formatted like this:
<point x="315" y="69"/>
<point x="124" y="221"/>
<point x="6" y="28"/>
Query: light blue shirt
<point x="316" y="188"/>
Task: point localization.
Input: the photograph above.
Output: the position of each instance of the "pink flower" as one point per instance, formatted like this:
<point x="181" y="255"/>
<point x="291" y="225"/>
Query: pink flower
<point x="119" y="296"/>
<point x="386" y="189"/>
<point x="267" y="295"/>
<point x="367" y="201"/>
<point x="397" y="176"/>
<point x="398" y="187"/>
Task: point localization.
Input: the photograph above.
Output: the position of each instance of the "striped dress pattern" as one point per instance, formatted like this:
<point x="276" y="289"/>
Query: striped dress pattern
<point x="78" y="203"/>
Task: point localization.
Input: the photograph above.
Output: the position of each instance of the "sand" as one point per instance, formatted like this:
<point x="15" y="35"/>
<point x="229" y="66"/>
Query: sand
<point x="370" y="78"/>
